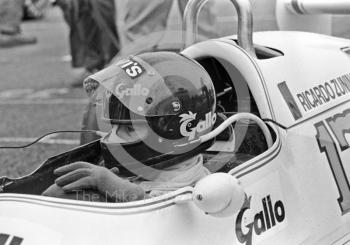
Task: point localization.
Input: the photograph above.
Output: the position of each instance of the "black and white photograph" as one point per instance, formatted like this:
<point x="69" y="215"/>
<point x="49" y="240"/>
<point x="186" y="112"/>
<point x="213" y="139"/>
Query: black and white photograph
<point x="175" y="122"/>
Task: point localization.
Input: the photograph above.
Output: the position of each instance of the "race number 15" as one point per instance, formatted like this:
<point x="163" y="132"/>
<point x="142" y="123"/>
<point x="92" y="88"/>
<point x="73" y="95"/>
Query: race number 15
<point x="340" y="126"/>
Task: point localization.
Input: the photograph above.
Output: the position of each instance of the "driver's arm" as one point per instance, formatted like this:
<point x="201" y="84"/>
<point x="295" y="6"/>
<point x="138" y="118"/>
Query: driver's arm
<point x="85" y="176"/>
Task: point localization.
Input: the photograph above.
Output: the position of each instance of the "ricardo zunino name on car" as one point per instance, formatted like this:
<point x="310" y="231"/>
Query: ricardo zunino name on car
<point x="324" y="93"/>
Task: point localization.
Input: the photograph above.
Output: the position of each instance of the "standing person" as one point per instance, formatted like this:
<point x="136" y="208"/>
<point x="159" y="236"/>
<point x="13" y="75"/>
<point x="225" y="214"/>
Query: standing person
<point x="93" y="35"/>
<point x="143" y="24"/>
<point x="11" y="14"/>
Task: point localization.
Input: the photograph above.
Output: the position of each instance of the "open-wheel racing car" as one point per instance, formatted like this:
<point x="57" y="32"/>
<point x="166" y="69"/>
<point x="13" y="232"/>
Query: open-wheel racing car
<point x="282" y="178"/>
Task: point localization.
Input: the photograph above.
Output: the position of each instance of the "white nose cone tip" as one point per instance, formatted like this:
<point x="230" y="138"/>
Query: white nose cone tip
<point x="219" y="195"/>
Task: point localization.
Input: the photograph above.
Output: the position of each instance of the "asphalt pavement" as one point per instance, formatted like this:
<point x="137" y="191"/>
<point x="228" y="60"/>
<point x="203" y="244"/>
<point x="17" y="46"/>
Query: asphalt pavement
<point x="35" y="97"/>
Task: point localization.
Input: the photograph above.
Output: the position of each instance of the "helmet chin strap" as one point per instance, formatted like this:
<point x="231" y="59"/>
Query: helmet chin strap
<point x="231" y="120"/>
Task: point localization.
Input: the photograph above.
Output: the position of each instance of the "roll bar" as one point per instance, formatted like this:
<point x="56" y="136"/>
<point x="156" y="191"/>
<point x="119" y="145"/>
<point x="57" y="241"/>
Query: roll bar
<point x="245" y="23"/>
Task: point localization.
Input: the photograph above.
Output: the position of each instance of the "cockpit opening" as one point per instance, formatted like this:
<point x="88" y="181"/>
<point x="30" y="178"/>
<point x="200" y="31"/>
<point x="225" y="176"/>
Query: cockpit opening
<point x="233" y="96"/>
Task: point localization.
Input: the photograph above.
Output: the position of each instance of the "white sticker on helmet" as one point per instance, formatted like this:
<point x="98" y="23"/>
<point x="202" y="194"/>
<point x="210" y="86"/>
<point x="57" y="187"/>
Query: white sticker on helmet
<point x="133" y="68"/>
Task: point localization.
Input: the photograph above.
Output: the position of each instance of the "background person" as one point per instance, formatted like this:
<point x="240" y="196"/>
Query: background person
<point x="145" y="25"/>
<point x="93" y="35"/>
<point x="11" y="14"/>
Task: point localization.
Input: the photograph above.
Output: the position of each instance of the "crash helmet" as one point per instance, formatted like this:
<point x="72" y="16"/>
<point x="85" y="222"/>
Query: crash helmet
<point x="168" y="94"/>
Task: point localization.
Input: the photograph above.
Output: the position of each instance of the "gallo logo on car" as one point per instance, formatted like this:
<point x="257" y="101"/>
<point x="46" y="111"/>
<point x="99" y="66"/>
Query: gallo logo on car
<point x="187" y="127"/>
<point x="254" y="223"/>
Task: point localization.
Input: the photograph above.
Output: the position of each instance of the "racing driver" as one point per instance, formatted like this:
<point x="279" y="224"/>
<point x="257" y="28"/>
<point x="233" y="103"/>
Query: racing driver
<point x="155" y="107"/>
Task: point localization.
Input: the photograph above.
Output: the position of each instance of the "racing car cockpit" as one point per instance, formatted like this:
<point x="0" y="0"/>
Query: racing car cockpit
<point x="238" y="84"/>
<point x="233" y="96"/>
<point x="240" y="99"/>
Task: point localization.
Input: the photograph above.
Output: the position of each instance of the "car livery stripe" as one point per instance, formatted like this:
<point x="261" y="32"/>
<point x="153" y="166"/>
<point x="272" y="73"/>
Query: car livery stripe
<point x="291" y="103"/>
<point x="120" y="209"/>
<point x="94" y="209"/>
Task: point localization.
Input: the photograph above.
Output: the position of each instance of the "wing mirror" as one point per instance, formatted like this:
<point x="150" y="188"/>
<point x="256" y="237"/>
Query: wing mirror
<point x="219" y="195"/>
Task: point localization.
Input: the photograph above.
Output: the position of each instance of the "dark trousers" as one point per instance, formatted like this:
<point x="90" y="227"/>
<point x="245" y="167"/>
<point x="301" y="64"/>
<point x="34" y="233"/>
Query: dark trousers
<point x="143" y="24"/>
<point x="93" y="33"/>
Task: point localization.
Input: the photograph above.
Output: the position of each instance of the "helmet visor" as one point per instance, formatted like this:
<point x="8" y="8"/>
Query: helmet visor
<point x="130" y="89"/>
<point x="138" y="88"/>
